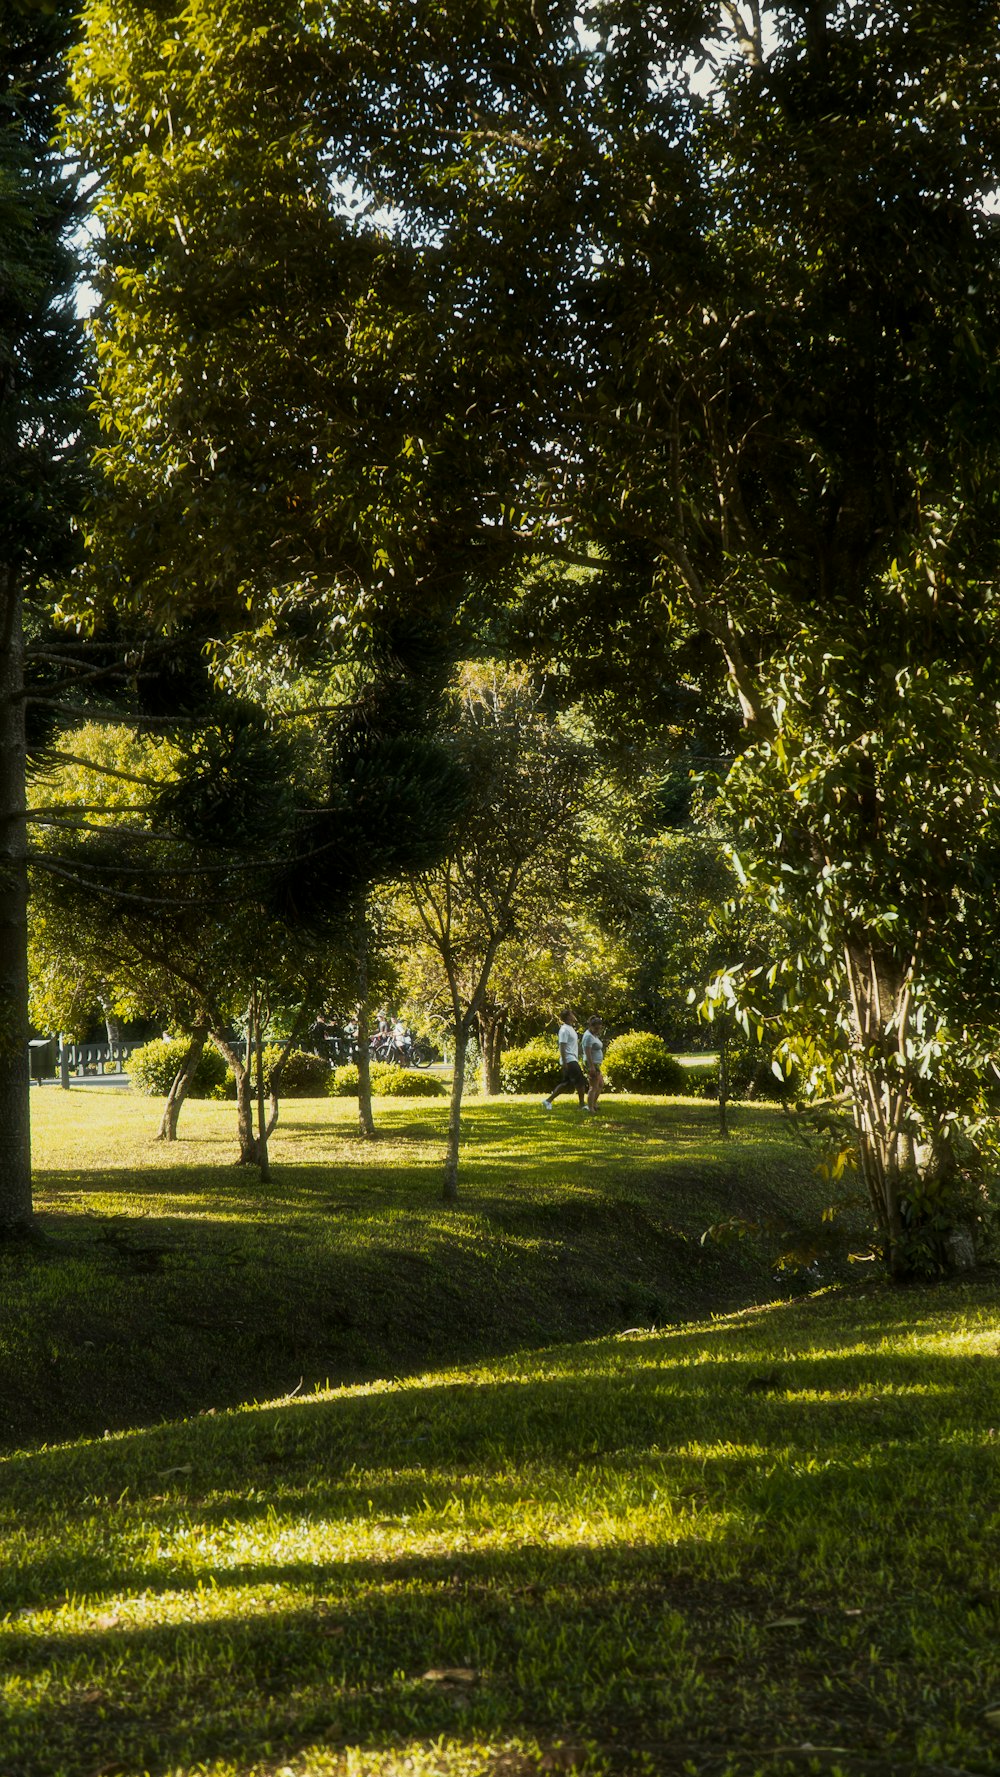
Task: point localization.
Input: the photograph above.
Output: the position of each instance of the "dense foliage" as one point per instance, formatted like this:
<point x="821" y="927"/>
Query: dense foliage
<point x="42" y="421"/>
<point x="534" y="1067"/>
<point x="387" y="1082"/>
<point x="152" y="1068"/>
<point x="703" y="302"/>
<point x="639" y="1061"/>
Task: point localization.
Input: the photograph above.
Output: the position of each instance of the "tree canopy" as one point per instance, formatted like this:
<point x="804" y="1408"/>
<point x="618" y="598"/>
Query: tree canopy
<point x="704" y="300"/>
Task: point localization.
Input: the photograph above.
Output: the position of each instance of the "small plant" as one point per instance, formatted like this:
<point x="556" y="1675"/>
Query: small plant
<point x="936" y="1213"/>
<point x="531" y="1068"/>
<point x="638" y="1061"/>
<point x="387" y="1082"/>
<point x="152" y="1068"/>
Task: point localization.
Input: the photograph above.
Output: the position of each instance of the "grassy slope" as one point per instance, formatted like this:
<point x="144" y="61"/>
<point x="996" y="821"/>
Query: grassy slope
<point x="175" y="1281"/>
<point x="763" y="1542"/>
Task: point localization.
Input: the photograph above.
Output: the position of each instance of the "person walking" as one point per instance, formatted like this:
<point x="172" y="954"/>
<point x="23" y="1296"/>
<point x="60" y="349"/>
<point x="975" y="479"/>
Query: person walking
<point x="593" y="1058"/>
<point x="572" y="1078"/>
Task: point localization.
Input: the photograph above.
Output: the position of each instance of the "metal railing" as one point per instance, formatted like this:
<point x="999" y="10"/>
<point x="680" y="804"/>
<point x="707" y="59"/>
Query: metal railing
<point x="50" y="1060"/>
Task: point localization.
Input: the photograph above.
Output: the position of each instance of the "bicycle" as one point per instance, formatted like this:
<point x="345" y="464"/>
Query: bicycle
<point x="409" y="1053"/>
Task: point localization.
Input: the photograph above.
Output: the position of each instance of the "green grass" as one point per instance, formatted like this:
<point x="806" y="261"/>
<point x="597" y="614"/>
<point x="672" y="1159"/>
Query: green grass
<point x="763" y="1541"/>
<point x="175" y="1281"/>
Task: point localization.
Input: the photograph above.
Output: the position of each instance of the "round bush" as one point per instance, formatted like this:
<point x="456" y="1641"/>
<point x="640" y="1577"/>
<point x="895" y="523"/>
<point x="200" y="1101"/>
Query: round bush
<point x="533" y="1068"/>
<point x="303" y="1075"/>
<point x="151" y="1069"/>
<point x="387" y="1082"/>
<point x="638" y="1061"/>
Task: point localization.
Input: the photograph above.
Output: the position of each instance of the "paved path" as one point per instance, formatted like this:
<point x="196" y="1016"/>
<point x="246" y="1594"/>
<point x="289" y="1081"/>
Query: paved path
<point x="120" y="1082"/>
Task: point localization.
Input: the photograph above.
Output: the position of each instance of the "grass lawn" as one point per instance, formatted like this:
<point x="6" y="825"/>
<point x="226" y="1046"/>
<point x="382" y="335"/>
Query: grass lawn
<point x="581" y="1495"/>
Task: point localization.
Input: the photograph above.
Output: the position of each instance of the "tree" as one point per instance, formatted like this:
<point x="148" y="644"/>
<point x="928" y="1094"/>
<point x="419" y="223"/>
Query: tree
<point x="707" y="298"/>
<point x="213" y="876"/>
<point x="136" y="907"/>
<point x="291" y="441"/>
<point x="510" y="857"/>
<point x="39" y="383"/>
<point x="797" y="420"/>
<point x="766" y="238"/>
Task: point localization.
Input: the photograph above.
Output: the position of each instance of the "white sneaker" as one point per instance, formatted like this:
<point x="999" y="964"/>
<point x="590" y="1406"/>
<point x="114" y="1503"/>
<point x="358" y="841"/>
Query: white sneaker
<point x="546" y="1104"/>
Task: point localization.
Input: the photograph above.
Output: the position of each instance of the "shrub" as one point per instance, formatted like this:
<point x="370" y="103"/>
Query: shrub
<point x="387" y="1082"/>
<point x="532" y="1068"/>
<point x="151" y="1069"/>
<point x="303" y="1076"/>
<point x="638" y="1061"/>
<point x="343" y="1081"/>
<point x="702" y="1079"/>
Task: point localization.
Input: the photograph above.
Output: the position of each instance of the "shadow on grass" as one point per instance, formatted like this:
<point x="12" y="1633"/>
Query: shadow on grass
<point x="307" y="1609"/>
<point x="195" y="1286"/>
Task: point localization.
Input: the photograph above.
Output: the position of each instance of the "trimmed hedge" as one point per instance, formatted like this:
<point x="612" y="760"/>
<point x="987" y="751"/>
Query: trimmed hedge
<point x="532" y="1068"/>
<point x="151" y="1069"/>
<point x="638" y="1061"/>
<point x="387" y="1082"/>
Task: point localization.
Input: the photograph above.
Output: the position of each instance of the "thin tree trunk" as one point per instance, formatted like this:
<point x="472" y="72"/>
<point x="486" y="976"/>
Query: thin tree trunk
<point x="366" y="1120"/>
<point x="248" y="1154"/>
<point x="15" y="1078"/>
<point x="181" y="1085"/>
<point x="455" y="1113"/>
<point x="723" y="1084"/>
<point x="254" y="1035"/>
<point x="490" y="1027"/>
<point x="273" y="1081"/>
<point x="112" y="1024"/>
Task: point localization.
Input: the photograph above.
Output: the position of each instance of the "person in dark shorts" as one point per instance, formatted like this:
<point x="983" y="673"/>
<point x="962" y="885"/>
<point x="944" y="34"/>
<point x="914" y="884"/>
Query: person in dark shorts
<point x="572" y="1078"/>
<point x="593" y="1057"/>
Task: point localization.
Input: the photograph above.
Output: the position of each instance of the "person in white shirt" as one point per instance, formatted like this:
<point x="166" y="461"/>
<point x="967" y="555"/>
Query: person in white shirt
<point x="572" y="1078"/>
<point x="593" y="1057"/>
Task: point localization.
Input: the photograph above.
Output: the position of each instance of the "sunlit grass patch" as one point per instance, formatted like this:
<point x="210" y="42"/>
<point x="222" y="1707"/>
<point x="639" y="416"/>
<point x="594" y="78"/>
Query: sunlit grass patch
<point x="621" y="1554"/>
<point x="147" y="1301"/>
<point x="530" y="1487"/>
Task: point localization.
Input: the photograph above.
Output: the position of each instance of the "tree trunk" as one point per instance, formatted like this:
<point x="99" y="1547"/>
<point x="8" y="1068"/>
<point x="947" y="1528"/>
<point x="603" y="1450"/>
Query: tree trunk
<point x="181" y="1085"/>
<point x="15" y="1079"/>
<point x="248" y="1149"/>
<point x="491" y="1029"/>
<point x="112" y="1024"/>
<point x="271" y="1086"/>
<point x="263" y="1128"/>
<point x="455" y="1113"/>
<point x="723" y="1083"/>
<point x="880" y="1080"/>
<point x="366" y="1121"/>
